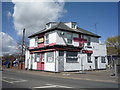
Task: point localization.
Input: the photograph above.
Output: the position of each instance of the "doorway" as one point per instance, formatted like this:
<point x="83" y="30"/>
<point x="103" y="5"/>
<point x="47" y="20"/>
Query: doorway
<point x="61" y="61"/>
<point x="96" y="62"/>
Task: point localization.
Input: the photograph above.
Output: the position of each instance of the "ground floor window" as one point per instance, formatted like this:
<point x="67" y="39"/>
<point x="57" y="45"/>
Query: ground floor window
<point x="71" y="57"/>
<point x="103" y="60"/>
<point x="43" y="57"/>
<point x="89" y="58"/>
<point x="50" y="57"/>
<point x="37" y="57"/>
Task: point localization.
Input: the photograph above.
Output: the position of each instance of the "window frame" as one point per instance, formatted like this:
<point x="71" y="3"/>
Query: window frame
<point x="47" y="39"/>
<point x="36" y="41"/>
<point x="68" y="57"/>
<point x="50" y="56"/>
<point x="43" y="57"/>
<point x="37" y="56"/>
<point x="69" y="38"/>
<point x="88" y="40"/>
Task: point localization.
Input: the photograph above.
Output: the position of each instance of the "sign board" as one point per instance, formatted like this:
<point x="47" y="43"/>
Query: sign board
<point x="40" y="40"/>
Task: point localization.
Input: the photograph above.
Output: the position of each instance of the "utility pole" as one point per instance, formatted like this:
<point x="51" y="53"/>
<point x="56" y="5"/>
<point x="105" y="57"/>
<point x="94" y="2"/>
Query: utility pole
<point x="23" y="48"/>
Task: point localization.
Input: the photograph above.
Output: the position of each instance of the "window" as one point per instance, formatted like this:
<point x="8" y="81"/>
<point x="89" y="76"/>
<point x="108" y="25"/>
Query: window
<point x="50" y="57"/>
<point x="41" y="40"/>
<point x="88" y="40"/>
<point x="69" y="38"/>
<point x="36" y="41"/>
<point x="43" y="57"/>
<point x="37" y="57"/>
<point x="71" y="57"/>
<point x="103" y="60"/>
<point x="47" y="38"/>
<point x="73" y="25"/>
<point x="89" y="58"/>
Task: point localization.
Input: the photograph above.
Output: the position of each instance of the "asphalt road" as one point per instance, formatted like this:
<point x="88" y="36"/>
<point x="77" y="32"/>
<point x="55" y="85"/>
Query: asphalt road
<point x="20" y="80"/>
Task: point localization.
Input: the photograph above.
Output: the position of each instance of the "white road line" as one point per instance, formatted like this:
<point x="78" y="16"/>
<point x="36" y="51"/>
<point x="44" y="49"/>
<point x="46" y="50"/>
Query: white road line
<point x="46" y="86"/>
<point x="53" y="86"/>
<point x="63" y="86"/>
<point x="7" y="81"/>
<point x="19" y="81"/>
<point x="16" y="80"/>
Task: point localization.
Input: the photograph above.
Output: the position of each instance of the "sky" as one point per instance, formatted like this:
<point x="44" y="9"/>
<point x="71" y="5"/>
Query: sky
<point x="34" y="16"/>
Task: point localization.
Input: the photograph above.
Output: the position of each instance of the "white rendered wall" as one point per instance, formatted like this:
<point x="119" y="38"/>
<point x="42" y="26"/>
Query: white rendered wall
<point x="32" y="42"/>
<point x="100" y="50"/>
<point x="32" y="61"/>
<point x="52" y="37"/>
<point x="62" y="39"/>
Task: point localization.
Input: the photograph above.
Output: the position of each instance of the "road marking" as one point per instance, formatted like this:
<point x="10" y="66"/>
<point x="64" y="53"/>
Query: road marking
<point x="52" y="86"/>
<point x="13" y="80"/>
<point x="7" y="81"/>
<point x="19" y="81"/>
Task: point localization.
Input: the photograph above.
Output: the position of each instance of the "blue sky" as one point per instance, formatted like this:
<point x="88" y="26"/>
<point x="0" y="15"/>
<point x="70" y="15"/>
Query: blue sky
<point x="87" y="14"/>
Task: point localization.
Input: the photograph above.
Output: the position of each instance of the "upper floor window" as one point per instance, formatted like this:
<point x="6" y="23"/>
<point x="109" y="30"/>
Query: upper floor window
<point x="69" y="38"/>
<point x="47" y="39"/>
<point x="41" y="40"/>
<point x="36" y="41"/>
<point x="88" y="40"/>
<point x="103" y="60"/>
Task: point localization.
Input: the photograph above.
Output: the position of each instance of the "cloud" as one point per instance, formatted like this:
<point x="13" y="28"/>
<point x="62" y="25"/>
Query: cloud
<point x="8" y="44"/>
<point x="34" y="15"/>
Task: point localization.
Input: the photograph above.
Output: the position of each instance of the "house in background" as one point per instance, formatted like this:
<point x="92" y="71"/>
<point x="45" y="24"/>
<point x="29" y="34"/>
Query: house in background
<point x="63" y="46"/>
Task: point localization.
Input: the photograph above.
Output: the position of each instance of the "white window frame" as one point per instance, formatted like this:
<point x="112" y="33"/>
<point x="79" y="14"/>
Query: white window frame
<point x="36" y="41"/>
<point x="68" y="57"/>
<point x="69" y="38"/>
<point x="50" y="57"/>
<point x="46" y="39"/>
<point x="43" y="57"/>
<point x="37" y="57"/>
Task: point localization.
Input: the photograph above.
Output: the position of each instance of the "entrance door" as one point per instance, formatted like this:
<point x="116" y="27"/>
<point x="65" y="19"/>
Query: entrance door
<point x="96" y="62"/>
<point x="61" y="61"/>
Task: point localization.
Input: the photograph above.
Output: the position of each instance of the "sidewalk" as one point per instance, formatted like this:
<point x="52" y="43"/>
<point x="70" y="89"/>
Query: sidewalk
<point x="98" y="75"/>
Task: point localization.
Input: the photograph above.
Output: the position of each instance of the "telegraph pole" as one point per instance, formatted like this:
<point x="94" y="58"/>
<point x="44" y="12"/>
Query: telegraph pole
<point x="23" y="48"/>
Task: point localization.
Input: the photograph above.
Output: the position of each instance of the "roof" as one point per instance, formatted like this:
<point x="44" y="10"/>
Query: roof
<point x="62" y="26"/>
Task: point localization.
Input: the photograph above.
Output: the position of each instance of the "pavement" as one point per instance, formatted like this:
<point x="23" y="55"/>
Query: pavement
<point x="97" y="75"/>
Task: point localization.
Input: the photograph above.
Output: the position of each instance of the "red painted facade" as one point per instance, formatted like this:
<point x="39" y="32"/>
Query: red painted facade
<point x="52" y="44"/>
<point x="87" y="51"/>
<point x="41" y="45"/>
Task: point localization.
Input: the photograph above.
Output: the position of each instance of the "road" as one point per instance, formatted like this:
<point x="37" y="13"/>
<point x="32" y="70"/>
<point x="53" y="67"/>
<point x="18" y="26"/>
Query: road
<point x="20" y="80"/>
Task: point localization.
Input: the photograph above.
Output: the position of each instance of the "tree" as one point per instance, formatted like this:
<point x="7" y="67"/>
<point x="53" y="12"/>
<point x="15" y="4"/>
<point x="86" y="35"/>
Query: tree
<point x="113" y="46"/>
